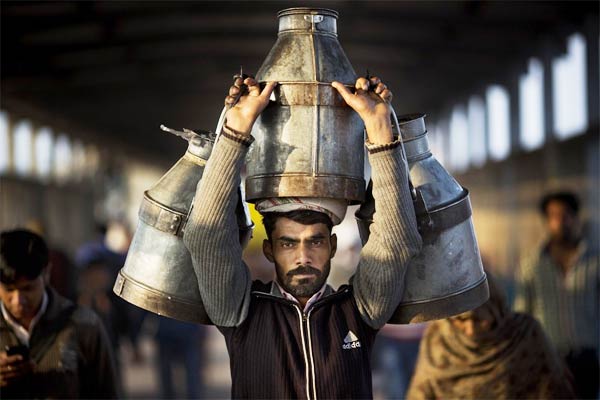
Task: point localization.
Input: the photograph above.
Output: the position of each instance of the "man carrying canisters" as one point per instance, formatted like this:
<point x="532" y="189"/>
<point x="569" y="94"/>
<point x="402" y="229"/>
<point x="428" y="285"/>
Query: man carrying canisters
<point x="296" y="337"/>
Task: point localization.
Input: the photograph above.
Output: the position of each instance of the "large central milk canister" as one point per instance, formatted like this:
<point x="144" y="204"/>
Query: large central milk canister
<point x="309" y="143"/>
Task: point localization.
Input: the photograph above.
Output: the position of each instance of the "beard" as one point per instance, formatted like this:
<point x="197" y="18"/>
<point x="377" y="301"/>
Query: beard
<point x="566" y="235"/>
<point x="302" y="287"/>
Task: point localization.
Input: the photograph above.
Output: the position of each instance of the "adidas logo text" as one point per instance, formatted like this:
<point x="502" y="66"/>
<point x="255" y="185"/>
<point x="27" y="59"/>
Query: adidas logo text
<point x="351" y="341"/>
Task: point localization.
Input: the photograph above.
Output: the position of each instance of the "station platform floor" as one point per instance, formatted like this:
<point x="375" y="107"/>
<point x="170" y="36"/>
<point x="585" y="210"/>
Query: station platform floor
<point x="141" y="378"/>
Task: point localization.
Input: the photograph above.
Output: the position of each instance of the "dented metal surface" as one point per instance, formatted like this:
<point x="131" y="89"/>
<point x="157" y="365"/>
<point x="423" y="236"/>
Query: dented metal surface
<point x="447" y="277"/>
<point x="308" y="142"/>
<point x="158" y="274"/>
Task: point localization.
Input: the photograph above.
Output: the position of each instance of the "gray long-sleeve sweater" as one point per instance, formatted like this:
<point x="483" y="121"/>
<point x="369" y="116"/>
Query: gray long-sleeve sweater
<point x="224" y="280"/>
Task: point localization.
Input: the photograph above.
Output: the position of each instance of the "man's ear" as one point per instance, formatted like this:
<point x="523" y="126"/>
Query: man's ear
<point x="268" y="250"/>
<point x="333" y="241"/>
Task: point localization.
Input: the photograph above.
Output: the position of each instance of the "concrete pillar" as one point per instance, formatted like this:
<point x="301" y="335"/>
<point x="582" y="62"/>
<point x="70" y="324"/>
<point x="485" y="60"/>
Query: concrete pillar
<point x="546" y="57"/>
<point x="512" y="85"/>
<point x="592" y="34"/>
<point x="550" y="166"/>
<point x="10" y="143"/>
<point x="592" y="199"/>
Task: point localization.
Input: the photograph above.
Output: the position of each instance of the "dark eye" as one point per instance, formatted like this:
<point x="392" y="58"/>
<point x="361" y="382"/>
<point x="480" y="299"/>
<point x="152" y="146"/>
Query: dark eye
<point x="287" y="245"/>
<point x="460" y="318"/>
<point x="317" y="242"/>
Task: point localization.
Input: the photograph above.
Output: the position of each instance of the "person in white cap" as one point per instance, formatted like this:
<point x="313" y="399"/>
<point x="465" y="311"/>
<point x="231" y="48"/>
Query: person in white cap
<point x="296" y="337"/>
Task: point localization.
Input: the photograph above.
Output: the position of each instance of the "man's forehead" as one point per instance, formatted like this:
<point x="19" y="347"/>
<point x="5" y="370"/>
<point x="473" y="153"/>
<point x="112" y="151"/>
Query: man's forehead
<point x="559" y="206"/>
<point x="287" y="227"/>
<point x="20" y="283"/>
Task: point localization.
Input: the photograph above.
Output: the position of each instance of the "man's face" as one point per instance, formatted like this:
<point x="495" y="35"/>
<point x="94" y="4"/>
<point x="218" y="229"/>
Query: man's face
<point x="23" y="298"/>
<point x="473" y="323"/>
<point x="562" y="221"/>
<point x="302" y="255"/>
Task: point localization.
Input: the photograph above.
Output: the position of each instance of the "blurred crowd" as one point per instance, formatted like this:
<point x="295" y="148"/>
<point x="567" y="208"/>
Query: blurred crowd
<point x="177" y="343"/>
<point x="87" y="280"/>
<point x="543" y="345"/>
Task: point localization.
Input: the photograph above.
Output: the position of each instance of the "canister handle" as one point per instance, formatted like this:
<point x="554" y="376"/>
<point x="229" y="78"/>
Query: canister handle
<point x="186" y="134"/>
<point x="200" y="137"/>
<point x="313" y="18"/>
<point x="220" y="123"/>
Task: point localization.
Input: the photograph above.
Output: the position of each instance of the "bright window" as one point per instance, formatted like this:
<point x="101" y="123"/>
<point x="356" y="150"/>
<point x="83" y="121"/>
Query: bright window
<point x="432" y="139"/>
<point x="569" y="89"/>
<point x="92" y="160"/>
<point x="78" y="159"/>
<point x="43" y="152"/>
<point x="439" y="140"/>
<point x="459" y="139"/>
<point x="23" y="142"/>
<point x="476" y="121"/>
<point x="62" y="157"/>
<point x="531" y="104"/>
<point x="4" y="142"/>
<point x="498" y="122"/>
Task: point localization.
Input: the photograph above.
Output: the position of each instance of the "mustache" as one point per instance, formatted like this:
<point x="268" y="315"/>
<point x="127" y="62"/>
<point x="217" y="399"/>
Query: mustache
<point x="304" y="270"/>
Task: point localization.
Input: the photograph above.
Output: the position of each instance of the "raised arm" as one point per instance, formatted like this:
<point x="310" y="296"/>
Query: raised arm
<point x="211" y="234"/>
<point x="379" y="279"/>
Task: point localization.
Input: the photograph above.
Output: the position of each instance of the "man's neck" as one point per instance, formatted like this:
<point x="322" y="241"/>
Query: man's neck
<point x="564" y="252"/>
<point x="303" y="301"/>
<point x="26" y="321"/>
<point x="569" y="242"/>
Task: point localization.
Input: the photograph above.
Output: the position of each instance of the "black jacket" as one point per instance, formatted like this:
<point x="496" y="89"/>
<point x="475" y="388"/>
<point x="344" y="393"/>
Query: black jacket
<point x="279" y="351"/>
<point x="72" y="354"/>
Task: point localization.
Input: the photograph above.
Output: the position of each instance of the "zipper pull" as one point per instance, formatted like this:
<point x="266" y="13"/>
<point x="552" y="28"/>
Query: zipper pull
<point x="304" y="318"/>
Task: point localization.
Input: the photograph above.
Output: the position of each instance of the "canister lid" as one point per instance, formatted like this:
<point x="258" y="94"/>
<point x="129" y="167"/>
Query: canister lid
<point x="307" y="19"/>
<point x="308" y="11"/>
<point x="412" y="125"/>
<point x="201" y="145"/>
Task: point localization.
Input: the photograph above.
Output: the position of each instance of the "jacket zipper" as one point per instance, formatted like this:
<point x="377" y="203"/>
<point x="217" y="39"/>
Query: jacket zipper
<point x="304" y="320"/>
<point x="308" y="353"/>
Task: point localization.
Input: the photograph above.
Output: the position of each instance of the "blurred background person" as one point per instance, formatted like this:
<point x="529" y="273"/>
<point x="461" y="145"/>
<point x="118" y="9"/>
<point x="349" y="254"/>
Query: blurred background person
<point x="52" y="348"/>
<point x="63" y="274"/>
<point x="488" y="353"/>
<point x="510" y="92"/>
<point x="179" y="343"/>
<point x="394" y="357"/>
<point x="99" y="262"/>
<point x="560" y="286"/>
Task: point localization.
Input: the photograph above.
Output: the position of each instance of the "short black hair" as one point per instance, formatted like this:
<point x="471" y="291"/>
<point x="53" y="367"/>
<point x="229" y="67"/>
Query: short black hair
<point x="304" y="217"/>
<point x="22" y="254"/>
<point x="568" y="198"/>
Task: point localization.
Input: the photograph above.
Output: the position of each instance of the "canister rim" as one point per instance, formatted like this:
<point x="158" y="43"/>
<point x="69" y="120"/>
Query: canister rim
<point x="404" y="119"/>
<point x="308" y="10"/>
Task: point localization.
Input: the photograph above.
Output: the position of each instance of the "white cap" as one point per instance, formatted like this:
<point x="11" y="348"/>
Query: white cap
<point x="334" y="208"/>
